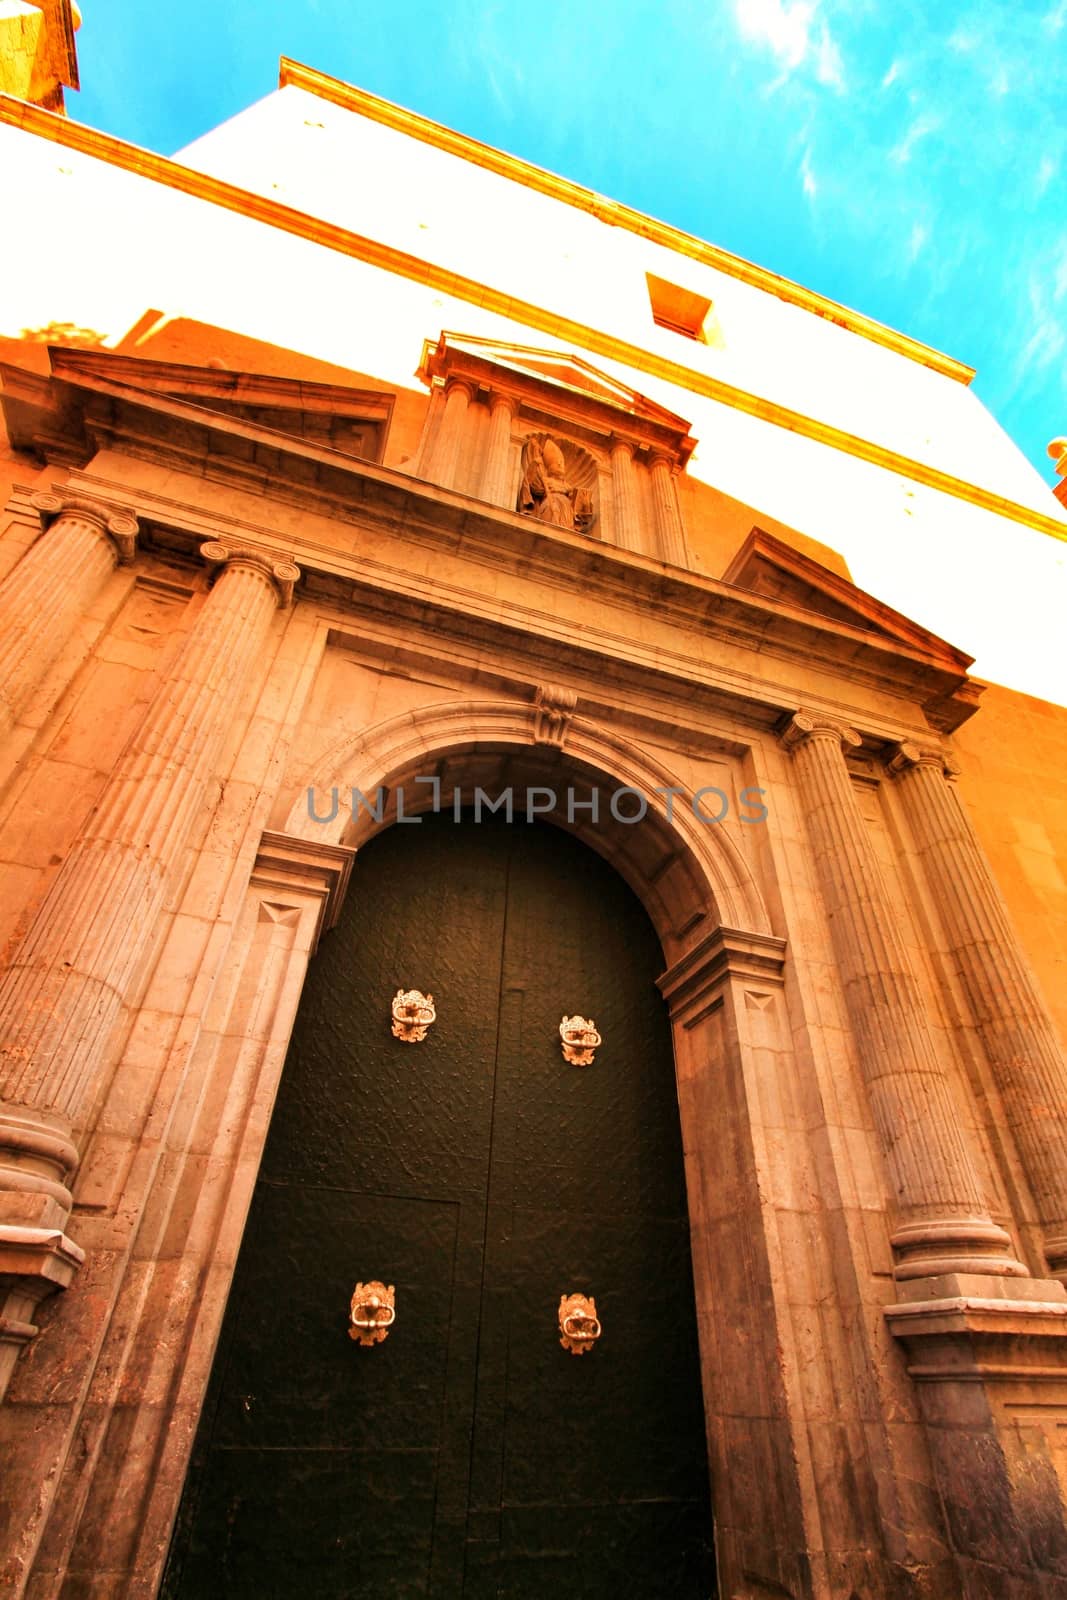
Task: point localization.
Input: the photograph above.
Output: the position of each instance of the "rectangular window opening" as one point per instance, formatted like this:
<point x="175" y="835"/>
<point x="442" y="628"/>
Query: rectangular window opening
<point x="681" y="310"/>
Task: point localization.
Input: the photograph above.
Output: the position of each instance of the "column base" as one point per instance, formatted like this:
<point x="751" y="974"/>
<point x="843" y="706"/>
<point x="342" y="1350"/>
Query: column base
<point x="989" y="1356"/>
<point x="953" y="1245"/>
<point x="36" y="1256"/>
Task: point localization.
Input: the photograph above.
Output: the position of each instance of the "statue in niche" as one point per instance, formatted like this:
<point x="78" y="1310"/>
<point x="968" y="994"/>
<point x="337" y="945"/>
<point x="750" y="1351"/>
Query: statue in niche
<point x="545" y="491"/>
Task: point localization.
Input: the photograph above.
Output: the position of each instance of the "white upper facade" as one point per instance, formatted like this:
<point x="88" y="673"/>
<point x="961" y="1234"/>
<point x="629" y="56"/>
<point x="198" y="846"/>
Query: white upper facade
<point x="437" y="229"/>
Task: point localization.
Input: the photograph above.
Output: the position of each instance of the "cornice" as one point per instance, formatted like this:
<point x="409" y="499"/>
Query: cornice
<point x="613" y="212"/>
<point x="369" y="497"/>
<point x="159" y="169"/>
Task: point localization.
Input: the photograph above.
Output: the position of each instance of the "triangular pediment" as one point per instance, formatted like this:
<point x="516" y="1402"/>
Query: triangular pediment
<point x="767" y="566"/>
<point x="353" y="421"/>
<point x="568" y="370"/>
<point x="558" y="384"/>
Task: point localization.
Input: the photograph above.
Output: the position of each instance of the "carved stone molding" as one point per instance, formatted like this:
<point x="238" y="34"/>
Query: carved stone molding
<point x="117" y="521"/>
<point x="287" y="862"/>
<point x="283" y="574"/>
<point x="696" y="981"/>
<point x="553" y="713"/>
<point x="906" y="755"/>
<point x="805" y="725"/>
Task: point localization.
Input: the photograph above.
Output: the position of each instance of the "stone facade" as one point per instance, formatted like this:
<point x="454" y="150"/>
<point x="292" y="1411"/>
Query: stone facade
<point x="235" y="593"/>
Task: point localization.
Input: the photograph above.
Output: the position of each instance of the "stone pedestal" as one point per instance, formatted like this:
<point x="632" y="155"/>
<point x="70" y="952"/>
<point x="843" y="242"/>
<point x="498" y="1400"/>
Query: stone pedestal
<point x="1016" y="1031"/>
<point x="62" y="995"/>
<point x="989" y="1359"/>
<point x="50" y="588"/>
<point x="943" y="1222"/>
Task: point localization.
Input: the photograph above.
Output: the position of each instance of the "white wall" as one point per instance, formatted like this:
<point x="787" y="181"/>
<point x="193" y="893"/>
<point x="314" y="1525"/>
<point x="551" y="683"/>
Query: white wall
<point x="98" y="246"/>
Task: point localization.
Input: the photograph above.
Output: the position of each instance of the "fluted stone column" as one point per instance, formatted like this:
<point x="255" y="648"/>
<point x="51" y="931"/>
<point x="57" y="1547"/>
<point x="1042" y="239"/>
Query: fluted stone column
<point x="624" y="483"/>
<point x="1015" y="1029"/>
<point x="497" y="485"/>
<point x="944" y="1223"/>
<point x="667" y="513"/>
<point x="441" y="463"/>
<point x="63" y="993"/>
<point x="45" y="594"/>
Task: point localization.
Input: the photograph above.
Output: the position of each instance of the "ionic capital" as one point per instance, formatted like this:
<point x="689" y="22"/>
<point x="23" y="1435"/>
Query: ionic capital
<point x="907" y="756"/>
<point x="120" y="523"/>
<point x="283" y="574"/>
<point x="808" y="725"/>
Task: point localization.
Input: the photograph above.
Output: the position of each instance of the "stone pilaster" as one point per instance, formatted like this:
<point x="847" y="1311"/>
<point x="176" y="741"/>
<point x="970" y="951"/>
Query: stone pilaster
<point x="62" y="995"/>
<point x="624" y="483"/>
<point x="442" y="459"/>
<point x="944" y="1225"/>
<point x="46" y="593"/>
<point x="1016" y="1031"/>
<point x="669" y="529"/>
<point x="497" y="485"/>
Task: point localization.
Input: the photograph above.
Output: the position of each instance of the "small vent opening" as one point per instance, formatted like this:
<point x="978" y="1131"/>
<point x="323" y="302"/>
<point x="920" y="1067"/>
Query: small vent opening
<point x="681" y="310"/>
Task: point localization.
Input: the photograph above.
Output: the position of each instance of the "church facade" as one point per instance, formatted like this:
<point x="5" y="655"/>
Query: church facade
<point x="533" y="1009"/>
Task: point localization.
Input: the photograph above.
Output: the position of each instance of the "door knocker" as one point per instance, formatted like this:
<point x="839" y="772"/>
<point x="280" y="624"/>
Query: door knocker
<point x="579" y="1038"/>
<point x="413" y="1013"/>
<point x="373" y="1312"/>
<point x="579" y="1326"/>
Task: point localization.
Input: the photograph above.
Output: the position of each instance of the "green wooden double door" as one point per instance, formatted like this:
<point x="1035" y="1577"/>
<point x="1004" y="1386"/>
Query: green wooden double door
<point x="468" y="1454"/>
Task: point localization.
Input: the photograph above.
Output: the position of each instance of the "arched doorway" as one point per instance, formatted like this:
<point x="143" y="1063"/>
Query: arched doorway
<point x="468" y="1454"/>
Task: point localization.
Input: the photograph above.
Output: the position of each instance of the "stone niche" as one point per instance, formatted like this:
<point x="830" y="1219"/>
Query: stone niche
<point x="545" y="435"/>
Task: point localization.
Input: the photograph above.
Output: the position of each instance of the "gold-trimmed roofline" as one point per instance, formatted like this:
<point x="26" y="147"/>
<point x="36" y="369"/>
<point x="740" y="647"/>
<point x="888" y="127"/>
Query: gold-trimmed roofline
<point x="332" y="236"/>
<point x="613" y="212"/>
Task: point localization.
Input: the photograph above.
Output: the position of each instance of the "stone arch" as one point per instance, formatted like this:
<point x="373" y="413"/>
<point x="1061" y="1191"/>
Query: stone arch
<point x="690" y="875"/>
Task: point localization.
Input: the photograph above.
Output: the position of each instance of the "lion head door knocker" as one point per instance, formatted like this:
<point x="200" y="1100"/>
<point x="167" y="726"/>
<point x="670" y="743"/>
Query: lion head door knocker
<point x="580" y="1039"/>
<point x="413" y="1013"/>
<point x="579" y="1327"/>
<point x="556" y="486"/>
<point x="373" y="1312"/>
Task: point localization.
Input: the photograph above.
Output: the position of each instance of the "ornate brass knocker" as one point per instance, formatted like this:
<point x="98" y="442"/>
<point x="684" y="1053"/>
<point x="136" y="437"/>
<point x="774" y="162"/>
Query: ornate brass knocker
<point x="373" y="1312"/>
<point x="413" y="1013"/>
<point x="579" y="1325"/>
<point x="580" y="1039"/>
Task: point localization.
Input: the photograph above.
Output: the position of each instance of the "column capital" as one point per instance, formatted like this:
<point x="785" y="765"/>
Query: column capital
<point x="803" y="726"/>
<point x="118" y="521"/>
<point x="283" y="574"/>
<point x="907" y="755"/>
<point x="458" y="381"/>
<point x="618" y="442"/>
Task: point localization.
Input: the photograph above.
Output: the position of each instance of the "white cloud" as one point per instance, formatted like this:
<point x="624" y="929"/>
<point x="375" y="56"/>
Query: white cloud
<point x="1055" y="19"/>
<point x="811" y="187"/>
<point x="1047" y="170"/>
<point x="920" y="233"/>
<point x="828" y="65"/>
<point x="892" y="75"/>
<point x="923" y="125"/>
<point x="786" y="28"/>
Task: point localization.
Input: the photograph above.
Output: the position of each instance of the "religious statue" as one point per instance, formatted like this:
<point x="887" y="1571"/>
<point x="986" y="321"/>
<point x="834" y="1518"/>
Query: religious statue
<point x="545" y="492"/>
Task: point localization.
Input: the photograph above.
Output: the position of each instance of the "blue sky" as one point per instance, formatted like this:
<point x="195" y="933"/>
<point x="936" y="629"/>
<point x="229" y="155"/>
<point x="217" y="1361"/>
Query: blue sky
<point x="908" y="159"/>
